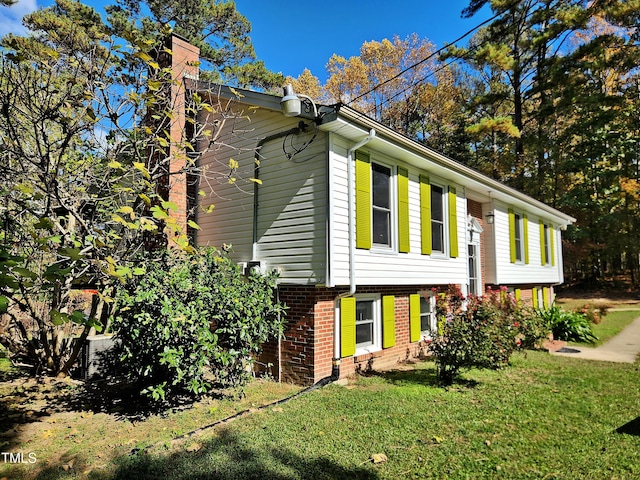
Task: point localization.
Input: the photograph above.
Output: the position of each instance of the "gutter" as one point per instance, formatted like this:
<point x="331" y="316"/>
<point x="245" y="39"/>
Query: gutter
<point x="352" y="116"/>
<point x="335" y="374"/>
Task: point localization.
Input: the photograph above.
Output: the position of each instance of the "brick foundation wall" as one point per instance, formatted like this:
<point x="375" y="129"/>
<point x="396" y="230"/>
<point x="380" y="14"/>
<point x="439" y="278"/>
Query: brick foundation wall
<point x="297" y="348"/>
<point x="526" y="292"/>
<point x="306" y="352"/>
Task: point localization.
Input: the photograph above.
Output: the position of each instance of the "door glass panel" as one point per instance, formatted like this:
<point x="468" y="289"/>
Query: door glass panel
<point x="473" y="270"/>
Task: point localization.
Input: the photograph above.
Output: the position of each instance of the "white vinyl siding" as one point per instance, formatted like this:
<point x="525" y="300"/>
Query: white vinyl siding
<point x="292" y="211"/>
<point x="376" y="266"/>
<point x="500" y="270"/>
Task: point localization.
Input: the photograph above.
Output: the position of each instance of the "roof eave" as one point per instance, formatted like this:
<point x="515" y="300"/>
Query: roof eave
<point x="462" y="174"/>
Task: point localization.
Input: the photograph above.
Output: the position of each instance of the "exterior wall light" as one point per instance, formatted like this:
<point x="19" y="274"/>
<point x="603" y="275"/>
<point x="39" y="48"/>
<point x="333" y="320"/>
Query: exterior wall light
<point x="490" y="217"/>
<point x="291" y="103"/>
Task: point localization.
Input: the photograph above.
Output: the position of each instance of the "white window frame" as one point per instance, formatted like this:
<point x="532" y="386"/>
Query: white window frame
<point x="519" y="239"/>
<point x="547" y="245"/>
<point x="445" y="221"/>
<point x="540" y="294"/>
<point x="376" y="344"/>
<point x="393" y="200"/>
<point x="430" y="300"/>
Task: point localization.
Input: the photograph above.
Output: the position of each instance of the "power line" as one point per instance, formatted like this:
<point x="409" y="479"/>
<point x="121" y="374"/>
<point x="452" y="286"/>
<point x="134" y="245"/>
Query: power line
<point x="441" y="49"/>
<point x="415" y="83"/>
<point x="424" y="77"/>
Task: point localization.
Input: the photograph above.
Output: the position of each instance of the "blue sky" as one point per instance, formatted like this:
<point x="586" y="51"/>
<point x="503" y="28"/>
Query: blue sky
<point x="293" y="35"/>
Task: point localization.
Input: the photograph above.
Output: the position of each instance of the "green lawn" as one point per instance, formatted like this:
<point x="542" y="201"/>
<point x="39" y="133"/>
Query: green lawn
<point x="613" y="323"/>
<point x="543" y="417"/>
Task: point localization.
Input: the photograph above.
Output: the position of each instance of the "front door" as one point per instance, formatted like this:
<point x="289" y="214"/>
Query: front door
<point x="474" y="229"/>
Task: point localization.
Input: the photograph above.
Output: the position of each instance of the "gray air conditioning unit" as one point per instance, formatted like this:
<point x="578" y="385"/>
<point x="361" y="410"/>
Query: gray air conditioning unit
<point x="95" y="353"/>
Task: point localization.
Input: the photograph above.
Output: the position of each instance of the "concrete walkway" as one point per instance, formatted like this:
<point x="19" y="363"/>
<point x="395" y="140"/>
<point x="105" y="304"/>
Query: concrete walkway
<point x="623" y="348"/>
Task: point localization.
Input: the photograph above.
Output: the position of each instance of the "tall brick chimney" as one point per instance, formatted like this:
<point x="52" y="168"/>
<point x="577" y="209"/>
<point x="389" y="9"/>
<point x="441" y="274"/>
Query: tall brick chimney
<point x="184" y="64"/>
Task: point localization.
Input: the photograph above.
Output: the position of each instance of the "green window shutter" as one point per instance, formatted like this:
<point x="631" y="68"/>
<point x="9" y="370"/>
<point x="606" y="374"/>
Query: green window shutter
<point x="347" y="326"/>
<point x="512" y="235"/>
<point x="525" y="234"/>
<point x="363" y="200"/>
<point x="403" y="210"/>
<point x="543" y="256"/>
<point x="552" y="234"/>
<point x="517" y="294"/>
<point x="414" y="317"/>
<point x="388" y="321"/>
<point x="453" y="223"/>
<point x="534" y="297"/>
<point x="425" y="215"/>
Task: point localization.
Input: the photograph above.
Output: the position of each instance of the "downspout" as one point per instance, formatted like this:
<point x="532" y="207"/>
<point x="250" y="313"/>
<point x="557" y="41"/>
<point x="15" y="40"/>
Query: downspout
<point x="352" y="213"/>
<point x="335" y="374"/>
<point x="279" y="337"/>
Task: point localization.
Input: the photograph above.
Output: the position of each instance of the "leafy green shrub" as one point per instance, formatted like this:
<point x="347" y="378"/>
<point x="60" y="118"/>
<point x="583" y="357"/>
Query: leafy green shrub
<point x="594" y="313"/>
<point x="483" y="333"/>
<point x="190" y="313"/>
<point x="533" y="328"/>
<point x="568" y="326"/>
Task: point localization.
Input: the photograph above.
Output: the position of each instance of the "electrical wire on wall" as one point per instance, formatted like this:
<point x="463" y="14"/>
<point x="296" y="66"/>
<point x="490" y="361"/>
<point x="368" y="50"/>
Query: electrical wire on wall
<point x="294" y="150"/>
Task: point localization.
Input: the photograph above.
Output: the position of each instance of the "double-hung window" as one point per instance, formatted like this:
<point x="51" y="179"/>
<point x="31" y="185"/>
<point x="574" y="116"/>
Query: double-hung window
<point x="381" y="204"/>
<point x="422" y="318"/>
<point x="547" y="251"/>
<point x="365" y="323"/>
<point x="547" y="247"/>
<point x="518" y="237"/>
<point x="375" y="203"/>
<point x="437" y="219"/>
<point x="428" y="327"/>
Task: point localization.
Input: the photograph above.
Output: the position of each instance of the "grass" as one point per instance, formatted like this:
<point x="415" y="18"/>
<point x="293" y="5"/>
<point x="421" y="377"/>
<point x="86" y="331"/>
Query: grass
<point x="613" y="323"/>
<point x="50" y="419"/>
<point x="620" y="314"/>
<point x="543" y="417"/>
<point x="5" y="365"/>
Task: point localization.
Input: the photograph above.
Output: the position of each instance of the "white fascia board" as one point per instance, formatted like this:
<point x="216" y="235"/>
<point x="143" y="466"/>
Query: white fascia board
<point x="353" y="125"/>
